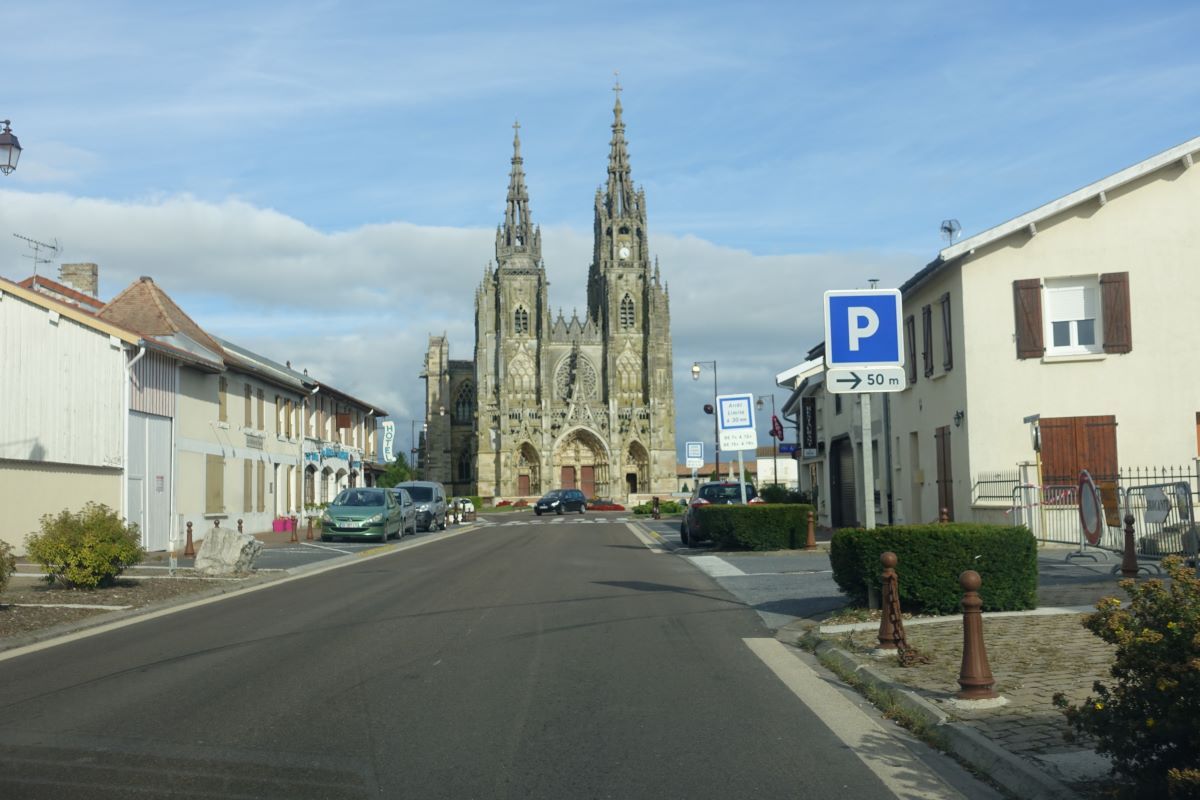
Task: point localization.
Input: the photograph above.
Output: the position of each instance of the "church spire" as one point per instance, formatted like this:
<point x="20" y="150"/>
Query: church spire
<point x="518" y="233"/>
<point x="621" y="198"/>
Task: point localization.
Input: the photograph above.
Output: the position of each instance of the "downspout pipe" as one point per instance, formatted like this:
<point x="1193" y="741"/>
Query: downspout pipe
<point x="125" y="407"/>
<point x="301" y="428"/>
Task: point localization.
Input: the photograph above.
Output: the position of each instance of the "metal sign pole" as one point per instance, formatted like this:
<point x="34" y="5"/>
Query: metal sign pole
<point x="742" y="477"/>
<point x="868" y="463"/>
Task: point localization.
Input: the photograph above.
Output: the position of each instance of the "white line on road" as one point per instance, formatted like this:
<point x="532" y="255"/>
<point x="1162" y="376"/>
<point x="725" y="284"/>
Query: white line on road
<point x="899" y="769"/>
<point x="323" y="547"/>
<point x="654" y="547"/>
<point x="715" y="567"/>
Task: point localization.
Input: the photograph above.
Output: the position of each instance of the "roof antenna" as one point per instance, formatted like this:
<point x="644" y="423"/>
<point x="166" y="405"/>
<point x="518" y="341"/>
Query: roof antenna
<point x="37" y="247"/>
<point x="874" y="282"/>
<point x="950" y="230"/>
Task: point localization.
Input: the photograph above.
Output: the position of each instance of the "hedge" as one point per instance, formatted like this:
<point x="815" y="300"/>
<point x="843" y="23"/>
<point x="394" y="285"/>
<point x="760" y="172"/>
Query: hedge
<point x="930" y="559"/>
<point x="758" y="526"/>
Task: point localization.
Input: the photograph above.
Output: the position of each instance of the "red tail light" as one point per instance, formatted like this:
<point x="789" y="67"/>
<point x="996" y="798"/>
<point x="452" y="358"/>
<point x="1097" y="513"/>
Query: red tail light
<point x="756" y="500"/>
<point x="700" y="501"/>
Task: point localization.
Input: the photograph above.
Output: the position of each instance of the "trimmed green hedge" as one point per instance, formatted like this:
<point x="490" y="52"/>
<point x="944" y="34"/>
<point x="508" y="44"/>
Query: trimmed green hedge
<point x="931" y="557"/>
<point x="760" y="526"/>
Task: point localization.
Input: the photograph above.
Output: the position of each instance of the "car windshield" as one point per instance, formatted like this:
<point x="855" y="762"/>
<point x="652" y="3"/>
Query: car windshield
<point x="555" y="495"/>
<point x="359" y="497"/>
<point x="725" y="493"/>
<point x="420" y="494"/>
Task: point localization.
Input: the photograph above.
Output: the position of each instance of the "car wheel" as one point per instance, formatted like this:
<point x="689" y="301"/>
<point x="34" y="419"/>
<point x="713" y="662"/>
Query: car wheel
<point x="683" y="535"/>
<point x="326" y="537"/>
<point x="559" y="509"/>
<point x="537" y="512"/>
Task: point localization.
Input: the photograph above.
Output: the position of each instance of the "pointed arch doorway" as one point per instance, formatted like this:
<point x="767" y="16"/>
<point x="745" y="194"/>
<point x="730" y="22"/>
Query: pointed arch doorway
<point x="581" y="460"/>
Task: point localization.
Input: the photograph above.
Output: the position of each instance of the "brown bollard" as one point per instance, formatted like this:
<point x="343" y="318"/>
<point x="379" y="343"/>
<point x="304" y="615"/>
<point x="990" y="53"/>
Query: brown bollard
<point x="189" y="549"/>
<point x="887" y="630"/>
<point x="309" y="535"/>
<point x="295" y="529"/>
<point x="240" y="526"/>
<point x="944" y="515"/>
<point x="1129" y="562"/>
<point x="811" y="544"/>
<point x="975" y="677"/>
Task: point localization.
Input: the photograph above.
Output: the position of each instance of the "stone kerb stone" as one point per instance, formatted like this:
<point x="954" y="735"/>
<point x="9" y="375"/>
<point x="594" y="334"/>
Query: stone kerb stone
<point x="227" y="552"/>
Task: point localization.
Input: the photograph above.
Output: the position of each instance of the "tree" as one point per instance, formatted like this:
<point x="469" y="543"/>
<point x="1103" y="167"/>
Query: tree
<point x="397" y="472"/>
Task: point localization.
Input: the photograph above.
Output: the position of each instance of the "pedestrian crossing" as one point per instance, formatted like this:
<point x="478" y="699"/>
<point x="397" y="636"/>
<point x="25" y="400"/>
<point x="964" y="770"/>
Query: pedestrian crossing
<point x="553" y="521"/>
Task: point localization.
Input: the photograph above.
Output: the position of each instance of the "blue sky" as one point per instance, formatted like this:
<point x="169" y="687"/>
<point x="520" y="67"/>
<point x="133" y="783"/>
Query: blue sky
<point x="265" y="162"/>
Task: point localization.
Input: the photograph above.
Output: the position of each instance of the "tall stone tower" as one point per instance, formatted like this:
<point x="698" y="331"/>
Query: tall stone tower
<point x="555" y="402"/>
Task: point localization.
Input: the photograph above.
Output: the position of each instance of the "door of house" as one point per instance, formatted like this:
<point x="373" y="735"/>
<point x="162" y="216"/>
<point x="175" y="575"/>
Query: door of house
<point x="587" y="481"/>
<point x="568" y="477"/>
<point x="841" y="484"/>
<point x="945" y="472"/>
<point x="523" y="485"/>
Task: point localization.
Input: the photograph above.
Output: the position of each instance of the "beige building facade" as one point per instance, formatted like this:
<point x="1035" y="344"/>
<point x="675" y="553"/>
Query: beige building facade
<point x="549" y="402"/>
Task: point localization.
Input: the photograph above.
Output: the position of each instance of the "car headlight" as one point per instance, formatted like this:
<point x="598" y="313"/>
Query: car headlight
<point x="554" y="503"/>
<point x="325" y="517"/>
<point x="423" y="508"/>
<point x="375" y="520"/>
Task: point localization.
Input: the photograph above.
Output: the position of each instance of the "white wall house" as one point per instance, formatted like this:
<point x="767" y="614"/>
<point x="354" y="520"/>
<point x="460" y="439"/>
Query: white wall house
<point x="62" y="410"/>
<point x="1082" y="313"/>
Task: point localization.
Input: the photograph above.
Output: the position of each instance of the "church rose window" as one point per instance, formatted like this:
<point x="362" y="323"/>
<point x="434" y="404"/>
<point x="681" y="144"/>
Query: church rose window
<point x="575" y="378"/>
<point x="627" y="312"/>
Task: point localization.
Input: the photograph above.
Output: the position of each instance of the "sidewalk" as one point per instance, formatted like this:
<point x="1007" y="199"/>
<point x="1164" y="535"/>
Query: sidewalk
<point x="1032" y="655"/>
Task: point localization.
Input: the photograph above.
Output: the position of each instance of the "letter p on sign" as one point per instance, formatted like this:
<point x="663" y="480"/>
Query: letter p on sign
<point x="864" y="323"/>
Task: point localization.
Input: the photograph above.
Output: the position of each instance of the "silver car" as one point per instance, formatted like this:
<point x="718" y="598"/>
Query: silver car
<point x="408" y="511"/>
<point x="430" y="497"/>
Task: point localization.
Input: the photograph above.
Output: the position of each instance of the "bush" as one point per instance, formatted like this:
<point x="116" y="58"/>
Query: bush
<point x="8" y="564"/>
<point x="774" y="493"/>
<point x="931" y="557"/>
<point x="664" y="507"/>
<point x="1146" y="718"/>
<point x="760" y="526"/>
<point x="86" y="549"/>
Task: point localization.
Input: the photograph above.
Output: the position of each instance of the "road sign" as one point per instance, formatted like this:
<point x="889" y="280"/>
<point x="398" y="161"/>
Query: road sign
<point x="1158" y="506"/>
<point x="863" y="328"/>
<point x="842" y="380"/>
<point x="1091" y="509"/>
<point x="787" y="447"/>
<point x="735" y="422"/>
<point x="695" y="455"/>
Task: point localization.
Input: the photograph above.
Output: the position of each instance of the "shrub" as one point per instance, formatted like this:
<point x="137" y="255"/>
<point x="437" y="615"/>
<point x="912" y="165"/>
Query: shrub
<point x="760" y="526"/>
<point x="664" y="507"/>
<point x="1146" y="718"/>
<point x="8" y="564"/>
<point x="774" y="493"/>
<point x="86" y="549"/>
<point x="931" y="557"/>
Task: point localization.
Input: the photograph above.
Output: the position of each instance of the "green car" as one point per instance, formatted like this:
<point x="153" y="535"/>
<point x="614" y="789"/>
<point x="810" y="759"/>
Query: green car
<point x="362" y="512"/>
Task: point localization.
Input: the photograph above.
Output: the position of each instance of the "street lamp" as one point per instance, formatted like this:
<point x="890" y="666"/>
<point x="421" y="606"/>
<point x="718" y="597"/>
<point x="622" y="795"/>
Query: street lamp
<point x="758" y="403"/>
<point x="716" y="428"/>
<point x="10" y="149"/>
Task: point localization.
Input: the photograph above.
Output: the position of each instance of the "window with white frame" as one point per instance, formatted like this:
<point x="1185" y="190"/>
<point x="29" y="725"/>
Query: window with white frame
<point x="1073" y="323"/>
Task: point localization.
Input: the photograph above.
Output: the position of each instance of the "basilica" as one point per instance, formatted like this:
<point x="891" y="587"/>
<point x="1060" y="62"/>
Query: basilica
<point x="554" y="403"/>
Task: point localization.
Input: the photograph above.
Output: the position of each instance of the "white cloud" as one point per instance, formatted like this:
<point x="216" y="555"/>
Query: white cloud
<point x="356" y="307"/>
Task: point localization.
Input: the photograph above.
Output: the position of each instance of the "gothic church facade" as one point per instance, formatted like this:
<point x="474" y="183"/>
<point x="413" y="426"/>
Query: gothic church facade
<point x="550" y="402"/>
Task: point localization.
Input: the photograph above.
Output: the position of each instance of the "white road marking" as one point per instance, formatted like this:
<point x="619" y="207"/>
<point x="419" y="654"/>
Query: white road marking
<point x="715" y="567"/>
<point x="65" y="605"/>
<point x="898" y="768"/>
<point x="324" y="547"/>
<point x="651" y="544"/>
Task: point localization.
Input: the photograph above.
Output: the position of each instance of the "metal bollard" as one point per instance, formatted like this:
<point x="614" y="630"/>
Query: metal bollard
<point x="1129" y="562"/>
<point x="975" y="677"/>
<point x="308" y="536"/>
<point x="891" y="624"/>
<point x="944" y="515"/>
<point x="189" y="549"/>
<point x="657" y="515"/>
<point x="811" y="544"/>
<point x="295" y="530"/>
<point x="240" y="526"/>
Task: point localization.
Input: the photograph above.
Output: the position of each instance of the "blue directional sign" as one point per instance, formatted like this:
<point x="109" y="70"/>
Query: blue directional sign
<point x="863" y="328"/>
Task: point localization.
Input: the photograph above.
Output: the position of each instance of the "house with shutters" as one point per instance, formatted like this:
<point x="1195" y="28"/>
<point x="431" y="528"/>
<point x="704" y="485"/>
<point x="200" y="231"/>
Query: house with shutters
<point x="1063" y="339"/>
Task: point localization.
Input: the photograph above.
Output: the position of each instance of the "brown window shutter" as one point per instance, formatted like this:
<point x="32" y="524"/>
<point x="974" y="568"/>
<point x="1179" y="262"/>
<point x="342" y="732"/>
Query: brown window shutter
<point x="262" y="487"/>
<point x="1114" y="293"/>
<point x="947" y="335"/>
<point x="1027" y="303"/>
<point x="247" y="485"/>
<point x="214" y="484"/>
<point x="910" y="344"/>
<point x="927" y="339"/>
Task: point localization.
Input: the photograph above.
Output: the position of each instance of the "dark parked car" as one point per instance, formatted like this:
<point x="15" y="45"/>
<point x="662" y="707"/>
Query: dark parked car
<point x="728" y="492"/>
<point x="430" y="497"/>
<point x="560" y="500"/>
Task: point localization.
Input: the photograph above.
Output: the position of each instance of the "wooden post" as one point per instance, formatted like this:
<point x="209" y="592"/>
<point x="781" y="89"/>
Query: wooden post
<point x="309" y="535"/>
<point x="295" y="531"/>
<point x="889" y="604"/>
<point x="975" y="677"/>
<point x="944" y="516"/>
<point x="189" y="549"/>
<point x="811" y="544"/>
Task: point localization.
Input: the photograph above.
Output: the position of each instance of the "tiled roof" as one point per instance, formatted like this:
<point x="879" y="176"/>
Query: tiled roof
<point x="147" y="309"/>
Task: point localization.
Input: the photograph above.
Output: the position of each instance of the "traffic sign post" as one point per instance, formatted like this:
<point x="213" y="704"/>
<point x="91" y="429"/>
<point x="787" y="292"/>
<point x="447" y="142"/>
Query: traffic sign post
<point x="695" y="455"/>
<point x="864" y="354"/>
<point x="735" y="429"/>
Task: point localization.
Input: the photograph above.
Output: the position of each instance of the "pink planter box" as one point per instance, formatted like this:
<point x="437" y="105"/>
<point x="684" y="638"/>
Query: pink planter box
<point x="282" y="524"/>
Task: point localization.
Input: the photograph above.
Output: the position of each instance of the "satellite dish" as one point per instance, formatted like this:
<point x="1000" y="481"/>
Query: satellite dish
<point x="950" y="230"/>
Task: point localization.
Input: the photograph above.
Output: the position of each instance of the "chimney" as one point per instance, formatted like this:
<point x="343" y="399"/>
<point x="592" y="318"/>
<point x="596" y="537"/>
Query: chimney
<point x="83" y="277"/>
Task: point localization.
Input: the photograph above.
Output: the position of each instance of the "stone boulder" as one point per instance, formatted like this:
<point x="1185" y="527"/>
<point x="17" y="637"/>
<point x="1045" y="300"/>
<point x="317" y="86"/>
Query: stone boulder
<point x="224" y="551"/>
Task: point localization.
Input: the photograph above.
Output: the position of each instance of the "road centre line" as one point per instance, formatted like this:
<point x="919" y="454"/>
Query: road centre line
<point x="715" y="567"/>
<point x="877" y="747"/>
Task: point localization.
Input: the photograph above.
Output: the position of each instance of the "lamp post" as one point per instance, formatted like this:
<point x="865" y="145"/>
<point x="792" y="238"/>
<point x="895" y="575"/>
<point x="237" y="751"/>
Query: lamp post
<point x="10" y="149"/>
<point x="758" y="403"/>
<point x="716" y="426"/>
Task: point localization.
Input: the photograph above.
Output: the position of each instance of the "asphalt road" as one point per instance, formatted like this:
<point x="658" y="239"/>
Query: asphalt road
<point x="513" y="661"/>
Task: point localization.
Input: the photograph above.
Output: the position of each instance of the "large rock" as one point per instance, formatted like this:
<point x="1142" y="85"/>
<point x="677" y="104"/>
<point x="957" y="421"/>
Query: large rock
<point x="224" y="551"/>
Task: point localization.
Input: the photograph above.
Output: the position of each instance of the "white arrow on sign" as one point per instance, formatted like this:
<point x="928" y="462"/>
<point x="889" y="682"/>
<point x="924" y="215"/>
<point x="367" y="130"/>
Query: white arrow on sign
<point x="1158" y="506"/>
<point x="845" y="380"/>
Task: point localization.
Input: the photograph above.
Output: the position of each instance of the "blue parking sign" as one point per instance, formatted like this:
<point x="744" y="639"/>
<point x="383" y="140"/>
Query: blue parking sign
<point x="862" y="327"/>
